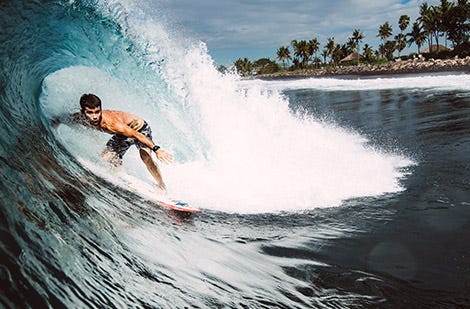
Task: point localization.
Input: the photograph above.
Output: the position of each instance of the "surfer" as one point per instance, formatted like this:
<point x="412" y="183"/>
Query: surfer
<point x="127" y="130"/>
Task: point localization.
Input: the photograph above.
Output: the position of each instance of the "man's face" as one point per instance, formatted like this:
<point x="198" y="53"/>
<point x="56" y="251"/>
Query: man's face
<point x="93" y="115"/>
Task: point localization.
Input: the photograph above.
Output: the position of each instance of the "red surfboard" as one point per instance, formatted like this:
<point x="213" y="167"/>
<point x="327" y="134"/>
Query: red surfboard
<point x="175" y="204"/>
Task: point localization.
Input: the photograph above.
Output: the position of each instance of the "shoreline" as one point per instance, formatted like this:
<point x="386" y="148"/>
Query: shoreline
<point x="413" y="66"/>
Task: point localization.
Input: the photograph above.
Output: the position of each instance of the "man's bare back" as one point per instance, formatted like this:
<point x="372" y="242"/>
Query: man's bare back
<point x="112" y="117"/>
<point x="118" y="122"/>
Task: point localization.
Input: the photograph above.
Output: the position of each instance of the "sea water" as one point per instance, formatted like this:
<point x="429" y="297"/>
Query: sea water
<point x="315" y="193"/>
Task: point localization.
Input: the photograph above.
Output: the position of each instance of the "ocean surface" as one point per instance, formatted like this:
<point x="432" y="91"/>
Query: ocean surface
<point x="315" y="193"/>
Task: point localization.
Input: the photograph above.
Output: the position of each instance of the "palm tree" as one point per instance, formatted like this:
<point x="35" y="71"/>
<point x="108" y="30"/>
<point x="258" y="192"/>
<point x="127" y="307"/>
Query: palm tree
<point x="349" y="47"/>
<point x="389" y="48"/>
<point x="458" y="26"/>
<point x="400" y="40"/>
<point x="368" y="53"/>
<point x="385" y="31"/>
<point x="446" y="17"/>
<point x="313" y="46"/>
<point x="429" y="21"/>
<point x="243" y="66"/>
<point x="283" y="54"/>
<point x="403" y="22"/>
<point x="423" y="19"/>
<point x="417" y="36"/>
<point x="338" y="54"/>
<point x="377" y="53"/>
<point x="324" y="54"/>
<point x="301" y="50"/>
<point x="316" y="62"/>
<point x="386" y="49"/>
<point x="330" y="47"/>
<point x="357" y="37"/>
<point x="295" y="46"/>
<point x="436" y="19"/>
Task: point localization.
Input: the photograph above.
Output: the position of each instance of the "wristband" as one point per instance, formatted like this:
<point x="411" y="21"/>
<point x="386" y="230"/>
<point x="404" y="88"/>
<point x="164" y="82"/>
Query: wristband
<point x="155" y="148"/>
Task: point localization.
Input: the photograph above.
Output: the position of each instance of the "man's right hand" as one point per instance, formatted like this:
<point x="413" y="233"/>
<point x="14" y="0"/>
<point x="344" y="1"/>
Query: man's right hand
<point x="55" y="122"/>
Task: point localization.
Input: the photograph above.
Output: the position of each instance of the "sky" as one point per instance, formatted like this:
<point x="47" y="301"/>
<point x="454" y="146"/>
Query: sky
<point x="234" y="29"/>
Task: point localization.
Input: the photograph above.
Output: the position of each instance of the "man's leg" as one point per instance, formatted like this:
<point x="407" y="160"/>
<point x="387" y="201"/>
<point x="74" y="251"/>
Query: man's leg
<point x="111" y="157"/>
<point x="153" y="168"/>
<point x="116" y="147"/>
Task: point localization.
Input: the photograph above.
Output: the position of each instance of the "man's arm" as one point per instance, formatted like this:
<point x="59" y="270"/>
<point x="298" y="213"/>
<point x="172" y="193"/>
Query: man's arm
<point x="73" y="118"/>
<point x="125" y="130"/>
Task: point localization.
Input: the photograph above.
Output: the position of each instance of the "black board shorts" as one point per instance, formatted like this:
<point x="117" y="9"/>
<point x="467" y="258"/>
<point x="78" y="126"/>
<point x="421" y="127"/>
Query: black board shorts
<point x="119" y="144"/>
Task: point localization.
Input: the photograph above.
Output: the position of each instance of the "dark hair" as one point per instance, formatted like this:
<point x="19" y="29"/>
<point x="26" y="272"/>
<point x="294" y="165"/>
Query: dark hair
<point x="89" y="100"/>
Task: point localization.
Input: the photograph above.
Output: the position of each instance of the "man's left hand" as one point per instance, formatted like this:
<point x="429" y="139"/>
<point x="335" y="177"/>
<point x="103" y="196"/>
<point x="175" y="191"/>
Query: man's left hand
<point x="164" y="156"/>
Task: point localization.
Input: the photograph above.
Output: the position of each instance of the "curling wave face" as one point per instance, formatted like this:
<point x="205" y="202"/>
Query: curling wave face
<point x="238" y="148"/>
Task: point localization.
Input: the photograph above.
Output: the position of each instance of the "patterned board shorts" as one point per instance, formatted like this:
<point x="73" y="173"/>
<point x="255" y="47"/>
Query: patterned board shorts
<point x="119" y="144"/>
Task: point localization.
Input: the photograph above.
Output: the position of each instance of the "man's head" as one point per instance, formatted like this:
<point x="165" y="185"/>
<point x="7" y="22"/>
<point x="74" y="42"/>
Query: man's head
<point x="91" y="107"/>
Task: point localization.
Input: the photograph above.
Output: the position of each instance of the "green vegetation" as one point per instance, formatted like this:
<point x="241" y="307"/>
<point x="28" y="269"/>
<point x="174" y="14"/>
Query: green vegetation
<point x="449" y="21"/>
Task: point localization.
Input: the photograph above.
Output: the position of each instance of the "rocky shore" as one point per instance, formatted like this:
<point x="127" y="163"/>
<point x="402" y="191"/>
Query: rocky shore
<point x="412" y="66"/>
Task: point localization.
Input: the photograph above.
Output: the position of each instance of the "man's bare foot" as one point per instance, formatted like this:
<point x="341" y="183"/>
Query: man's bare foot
<point x="161" y="191"/>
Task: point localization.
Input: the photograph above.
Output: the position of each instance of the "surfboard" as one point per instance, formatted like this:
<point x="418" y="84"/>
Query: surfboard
<point x="144" y="189"/>
<point x="174" y="204"/>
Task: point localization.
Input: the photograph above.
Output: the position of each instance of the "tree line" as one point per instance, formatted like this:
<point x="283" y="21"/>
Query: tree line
<point x="447" y="23"/>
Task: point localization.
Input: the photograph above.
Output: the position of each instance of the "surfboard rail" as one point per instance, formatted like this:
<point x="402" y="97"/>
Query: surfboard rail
<point x="177" y="205"/>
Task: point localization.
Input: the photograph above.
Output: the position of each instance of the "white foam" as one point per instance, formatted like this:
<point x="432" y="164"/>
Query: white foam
<point x="445" y="81"/>
<point x="262" y="158"/>
<point x="240" y="149"/>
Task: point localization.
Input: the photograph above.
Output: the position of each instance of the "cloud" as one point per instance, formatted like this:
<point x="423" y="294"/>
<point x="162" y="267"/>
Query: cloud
<point x="225" y="24"/>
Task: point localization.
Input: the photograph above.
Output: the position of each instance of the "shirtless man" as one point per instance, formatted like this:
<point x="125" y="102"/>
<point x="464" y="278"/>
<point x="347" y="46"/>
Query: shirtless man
<point x="127" y="130"/>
